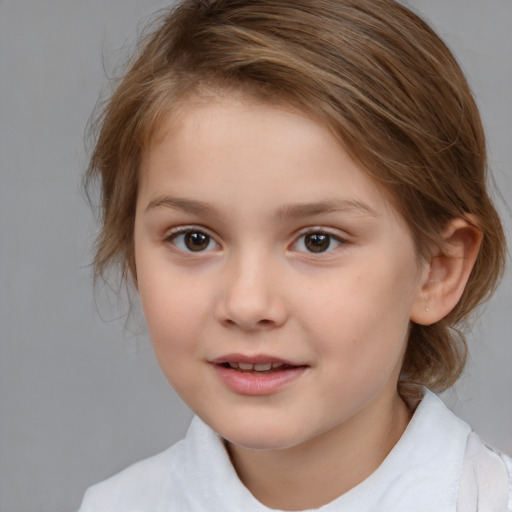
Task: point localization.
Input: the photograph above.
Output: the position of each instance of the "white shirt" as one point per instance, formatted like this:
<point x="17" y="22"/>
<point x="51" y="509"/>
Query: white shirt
<point x="438" y="465"/>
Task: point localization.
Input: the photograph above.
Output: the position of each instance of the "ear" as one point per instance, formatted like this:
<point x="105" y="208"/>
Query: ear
<point x="447" y="274"/>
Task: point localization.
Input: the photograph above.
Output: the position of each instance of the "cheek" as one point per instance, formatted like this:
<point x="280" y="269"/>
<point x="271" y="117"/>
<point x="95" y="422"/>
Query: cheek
<point x="173" y="316"/>
<point x="170" y="317"/>
<point x="364" y="322"/>
<point x="174" y="308"/>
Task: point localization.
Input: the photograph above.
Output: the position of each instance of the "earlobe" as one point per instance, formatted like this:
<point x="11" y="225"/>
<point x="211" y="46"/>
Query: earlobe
<point x="448" y="272"/>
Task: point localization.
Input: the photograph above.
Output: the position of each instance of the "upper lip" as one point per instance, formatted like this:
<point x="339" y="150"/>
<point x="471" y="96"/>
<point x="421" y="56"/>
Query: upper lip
<point x="253" y="359"/>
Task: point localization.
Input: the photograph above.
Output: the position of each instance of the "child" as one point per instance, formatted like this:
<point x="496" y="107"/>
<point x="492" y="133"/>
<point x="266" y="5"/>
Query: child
<point x="297" y="190"/>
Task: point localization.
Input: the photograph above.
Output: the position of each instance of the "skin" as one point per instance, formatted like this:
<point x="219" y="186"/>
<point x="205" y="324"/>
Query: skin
<point x="246" y="175"/>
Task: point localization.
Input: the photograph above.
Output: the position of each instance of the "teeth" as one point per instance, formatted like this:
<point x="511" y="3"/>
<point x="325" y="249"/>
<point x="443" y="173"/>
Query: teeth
<point x="262" y="367"/>
<point x="265" y="367"/>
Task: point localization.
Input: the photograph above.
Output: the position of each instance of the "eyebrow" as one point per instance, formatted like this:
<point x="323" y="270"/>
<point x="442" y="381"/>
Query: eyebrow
<point x="183" y="204"/>
<point x="297" y="210"/>
<point x="324" y="207"/>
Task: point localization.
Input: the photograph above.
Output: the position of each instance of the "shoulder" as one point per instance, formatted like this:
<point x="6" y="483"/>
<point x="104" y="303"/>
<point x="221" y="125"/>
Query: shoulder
<point x="166" y="481"/>
<point x="195" y="474"/>
<point x="486" y="478"/>
<point x="138" y="487"/>
<point x="508" y="464"/>
<point x="481" y="477"/>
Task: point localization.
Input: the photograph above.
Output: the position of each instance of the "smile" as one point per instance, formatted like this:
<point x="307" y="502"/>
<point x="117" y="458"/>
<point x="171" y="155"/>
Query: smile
<point x="261" y="376"/>
<point x="265" y="368"/>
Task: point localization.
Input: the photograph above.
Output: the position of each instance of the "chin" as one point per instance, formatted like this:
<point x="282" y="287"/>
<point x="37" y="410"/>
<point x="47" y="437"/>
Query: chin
<point x="260" y="442"/>
<point x="265" y="435"/>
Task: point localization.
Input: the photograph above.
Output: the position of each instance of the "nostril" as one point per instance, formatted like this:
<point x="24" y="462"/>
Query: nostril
<point x="263" y="323"/>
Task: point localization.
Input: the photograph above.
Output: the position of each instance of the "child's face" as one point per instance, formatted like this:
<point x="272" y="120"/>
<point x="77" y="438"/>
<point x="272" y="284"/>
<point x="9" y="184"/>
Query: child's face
<point x="258" y="240"/>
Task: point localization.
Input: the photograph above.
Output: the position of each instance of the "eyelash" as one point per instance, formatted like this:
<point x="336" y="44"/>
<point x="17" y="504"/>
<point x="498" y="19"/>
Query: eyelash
<point x="322" y="233"/>
<point x="188" y="230"/>
<point x="210" y="240"/>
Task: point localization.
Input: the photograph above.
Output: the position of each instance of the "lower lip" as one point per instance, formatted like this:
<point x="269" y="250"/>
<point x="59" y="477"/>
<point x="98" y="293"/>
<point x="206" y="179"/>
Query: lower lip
<point x="258" y="384"/>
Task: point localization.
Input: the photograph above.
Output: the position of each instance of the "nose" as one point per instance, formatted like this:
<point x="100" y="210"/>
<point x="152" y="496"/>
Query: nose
<point x="252" y="295"/>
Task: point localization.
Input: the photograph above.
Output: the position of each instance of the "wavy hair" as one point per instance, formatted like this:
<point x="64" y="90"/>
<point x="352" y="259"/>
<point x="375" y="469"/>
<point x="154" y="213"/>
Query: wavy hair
<point x="374" y="72"/>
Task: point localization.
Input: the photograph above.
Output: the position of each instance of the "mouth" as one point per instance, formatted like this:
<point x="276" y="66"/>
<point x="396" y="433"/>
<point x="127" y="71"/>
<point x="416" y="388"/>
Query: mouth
<point x="257" y="375"/>
<point x="259" y="369"/>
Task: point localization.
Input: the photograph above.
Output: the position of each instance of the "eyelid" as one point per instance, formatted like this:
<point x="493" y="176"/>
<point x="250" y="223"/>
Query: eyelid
<point x="174" y="232"/>
<point x="186" y="228"/>
<point x="333" y="233"/>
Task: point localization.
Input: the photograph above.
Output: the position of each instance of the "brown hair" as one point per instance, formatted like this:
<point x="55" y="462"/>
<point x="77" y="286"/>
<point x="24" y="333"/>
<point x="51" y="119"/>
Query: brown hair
<point x="381" y="80"/>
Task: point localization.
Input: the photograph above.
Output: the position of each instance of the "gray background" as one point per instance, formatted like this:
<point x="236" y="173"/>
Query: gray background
<point x="81" y="395"/>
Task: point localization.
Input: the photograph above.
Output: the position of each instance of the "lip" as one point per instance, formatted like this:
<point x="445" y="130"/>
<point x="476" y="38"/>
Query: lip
<point x="257" y="384"/>
<point x="253" y="359"/>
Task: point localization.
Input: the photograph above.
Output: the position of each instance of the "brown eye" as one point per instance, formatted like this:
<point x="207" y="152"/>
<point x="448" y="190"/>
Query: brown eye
<point x="196" y="241"/>
<point x="317" y="242"/>
<point x="193" y="241"/>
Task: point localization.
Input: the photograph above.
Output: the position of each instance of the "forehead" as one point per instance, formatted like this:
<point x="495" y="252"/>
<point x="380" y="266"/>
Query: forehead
<point x="236" y="149"/>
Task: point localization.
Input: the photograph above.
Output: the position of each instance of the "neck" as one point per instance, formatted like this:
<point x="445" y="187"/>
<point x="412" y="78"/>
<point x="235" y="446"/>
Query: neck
<point x="320" y="470"/>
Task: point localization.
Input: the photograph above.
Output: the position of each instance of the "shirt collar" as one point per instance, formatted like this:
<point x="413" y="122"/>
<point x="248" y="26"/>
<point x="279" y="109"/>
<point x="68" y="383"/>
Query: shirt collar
<point x="421" y="473"/>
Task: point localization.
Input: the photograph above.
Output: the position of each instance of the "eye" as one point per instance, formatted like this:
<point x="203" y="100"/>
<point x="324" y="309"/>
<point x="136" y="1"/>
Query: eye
<point x="317" y="242"/>
<point x="192" y="240"/>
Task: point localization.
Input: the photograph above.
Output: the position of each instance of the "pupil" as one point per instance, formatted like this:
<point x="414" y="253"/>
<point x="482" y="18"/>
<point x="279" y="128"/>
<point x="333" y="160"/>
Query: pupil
<point x="317" y="242"/>
<point x="196" y="241"/>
